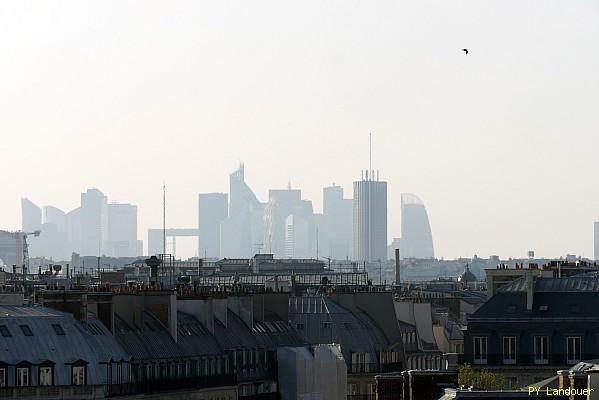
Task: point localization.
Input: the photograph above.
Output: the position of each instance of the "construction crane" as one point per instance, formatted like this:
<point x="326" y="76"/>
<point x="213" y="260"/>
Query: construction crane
<point x="25" y="253"/>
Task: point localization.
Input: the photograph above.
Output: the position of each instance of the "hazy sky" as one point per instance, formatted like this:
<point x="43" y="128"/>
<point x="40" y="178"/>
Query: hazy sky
<point x="501" y="144"/>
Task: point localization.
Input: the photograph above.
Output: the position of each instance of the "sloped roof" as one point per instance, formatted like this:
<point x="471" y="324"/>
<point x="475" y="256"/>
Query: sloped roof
<point x="354" y="331"/>
<point x="577" y="283"/>
<point x="154" y="341"/>
<point x="45" y="344"/>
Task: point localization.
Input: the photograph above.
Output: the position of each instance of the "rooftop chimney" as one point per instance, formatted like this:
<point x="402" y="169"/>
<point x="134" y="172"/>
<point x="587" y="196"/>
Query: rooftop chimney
<point x="529" y="285"/>
<point x="397" y="270"/>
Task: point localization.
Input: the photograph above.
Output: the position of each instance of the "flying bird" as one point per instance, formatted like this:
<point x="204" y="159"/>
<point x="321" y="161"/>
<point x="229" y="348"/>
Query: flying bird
<point x="465" y="50"/>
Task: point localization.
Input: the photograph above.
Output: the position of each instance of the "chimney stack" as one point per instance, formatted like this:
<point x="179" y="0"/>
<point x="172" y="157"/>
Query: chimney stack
<point x="397" y="265"/>
<point x="529" y="285"/>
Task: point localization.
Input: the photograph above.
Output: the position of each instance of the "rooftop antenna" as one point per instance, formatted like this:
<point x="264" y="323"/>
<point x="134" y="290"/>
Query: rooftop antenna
<point x="163" y="218"/>
<point x="370" y="152"/>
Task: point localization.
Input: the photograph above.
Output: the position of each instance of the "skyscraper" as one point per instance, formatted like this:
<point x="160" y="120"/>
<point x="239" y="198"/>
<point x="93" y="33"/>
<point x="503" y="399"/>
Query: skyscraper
<point x="336" y="237"/>
<point x="122" y="230"/>
<point x="213" y="208"/>
<point x="297" y="237"/>
<point x="281" y="204"/>
<point x="93" y="222"/>
<point x="74" y="230"/>
<point x="416" y="236"/>
<point x="53" y="241"/>
<point x="31" y="215"/>
<point x="242" y="233"/>
<point x="370" y="219"/>
<point x="56" y="216"/>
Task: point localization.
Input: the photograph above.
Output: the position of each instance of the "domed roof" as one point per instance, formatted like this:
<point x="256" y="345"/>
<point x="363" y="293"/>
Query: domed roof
<point x="467" y="276"/>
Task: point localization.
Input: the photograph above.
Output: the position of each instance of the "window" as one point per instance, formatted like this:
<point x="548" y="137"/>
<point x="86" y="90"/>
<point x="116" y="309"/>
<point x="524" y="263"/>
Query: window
<point x="480" y="350"/>
<point x="22" y="377"/>
<point x="4" y="331"/>
<point x="352" y="389"/>
<point x="543" y="308"/>
<point x="300" y="326"/>
<point x="2" y="377"/>
<point x="58" y="329"/>
<point x="78" y="375"/>
<point x="574" y="349"/>
<point x="541" y="349"/>
<point x="360" y="363"/>
<point x="45" y="376"/>
<point x="326" y="325"/>
<point x="509" y="350"/>
<point x="26" y="330"/>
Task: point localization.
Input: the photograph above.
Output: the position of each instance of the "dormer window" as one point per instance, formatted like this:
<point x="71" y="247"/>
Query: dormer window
<point x="78" y="375"/>
<point x="78" y="372"/>
<point x="46" y="377"/>
<point x="22" y="374"/>
<point x="2" y="375"/>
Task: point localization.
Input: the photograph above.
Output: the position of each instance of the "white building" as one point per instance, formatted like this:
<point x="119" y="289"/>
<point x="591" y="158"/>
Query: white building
<point x="213" y="208"/>
<point x="336" y="236"/>
<point x="122" y="230"/>
<point x="297" y="237"/>
<point x="94" y="221"/>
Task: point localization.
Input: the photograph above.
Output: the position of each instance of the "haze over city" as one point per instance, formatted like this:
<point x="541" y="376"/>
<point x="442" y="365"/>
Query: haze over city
<point x="123" y="96"/>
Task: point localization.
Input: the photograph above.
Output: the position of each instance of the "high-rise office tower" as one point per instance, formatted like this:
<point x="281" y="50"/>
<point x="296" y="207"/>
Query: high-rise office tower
<point x="213" y="208"/>
<point x="31" y="215"/>
<point x="93" y="222"/>
<point x="74" y="230"/>
<point x="370" y="219"/>
<point x="55" y="216"/>
<point x="297" y="237"/>
<point x="242" y="197"/>
<point x="336" y="237"/>
<point x="242" y="233"/>
<point x="281" y="204"/>
<point x="416" y="236"/>
<point x="52" y="242"/>
<point x="122" y="230"/>
<point x="596" y="247"/>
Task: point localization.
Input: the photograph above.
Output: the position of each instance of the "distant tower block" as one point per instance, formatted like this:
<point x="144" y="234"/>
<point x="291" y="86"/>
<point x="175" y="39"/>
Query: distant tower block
<point x="531" y="254"/>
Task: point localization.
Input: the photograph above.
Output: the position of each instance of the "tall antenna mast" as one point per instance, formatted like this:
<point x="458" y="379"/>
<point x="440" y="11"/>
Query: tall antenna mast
<point x="317" y="243"/>
<point x="163" y="218"/>
<point x="370" y="154"/>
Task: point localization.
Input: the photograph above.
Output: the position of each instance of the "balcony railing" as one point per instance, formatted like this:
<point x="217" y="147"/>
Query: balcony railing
<point x="371" y="396"/>
<point x="63" y="392"/>
<point x="258" y="372"/>
<point x="529" y="360"/>
<point x="372" y="368"/>
<point x="170" y="385"/>
<point x="262" y="396"/>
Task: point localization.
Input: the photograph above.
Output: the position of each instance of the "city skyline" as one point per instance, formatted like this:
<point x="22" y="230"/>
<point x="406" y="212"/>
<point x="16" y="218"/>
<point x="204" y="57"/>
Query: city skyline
<point x="499" y="144"/>
<point x="415" y="225"/>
